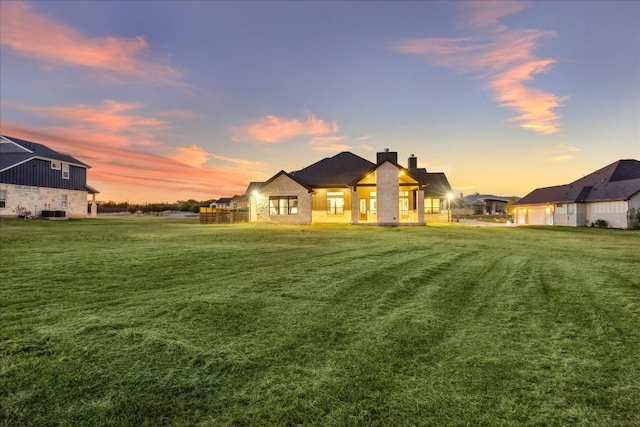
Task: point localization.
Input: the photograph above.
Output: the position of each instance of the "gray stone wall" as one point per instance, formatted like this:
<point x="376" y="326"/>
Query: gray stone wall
<point x="37" y="199"/>
<point x="283" y="186"/>
<point x="387" y="193"/>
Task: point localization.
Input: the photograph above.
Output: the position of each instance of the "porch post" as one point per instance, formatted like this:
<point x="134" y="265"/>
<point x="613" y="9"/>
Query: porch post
<point x="94" y="206"/>
<point x="420" y="206"/>
<point x="355" y="206"/>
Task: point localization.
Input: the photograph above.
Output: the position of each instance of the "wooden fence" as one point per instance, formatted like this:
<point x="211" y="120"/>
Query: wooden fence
<point x="222" y="216"/>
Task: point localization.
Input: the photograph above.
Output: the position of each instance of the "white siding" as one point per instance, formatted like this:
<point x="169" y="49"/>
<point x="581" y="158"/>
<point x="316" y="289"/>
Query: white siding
<point x="614" y="212"/>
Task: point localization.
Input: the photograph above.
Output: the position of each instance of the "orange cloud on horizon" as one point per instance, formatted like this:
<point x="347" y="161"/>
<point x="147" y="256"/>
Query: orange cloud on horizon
<point x="122" y="170"/>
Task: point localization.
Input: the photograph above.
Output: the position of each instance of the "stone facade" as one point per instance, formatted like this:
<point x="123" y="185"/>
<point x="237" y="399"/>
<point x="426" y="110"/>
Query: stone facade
<point x="387" y="193"/>
<point x="283" y="186"/>
<point x="37" y="199"/>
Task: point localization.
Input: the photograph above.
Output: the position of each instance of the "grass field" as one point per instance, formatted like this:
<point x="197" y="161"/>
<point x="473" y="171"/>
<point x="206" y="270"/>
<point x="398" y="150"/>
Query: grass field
<point x="167" y="322"/>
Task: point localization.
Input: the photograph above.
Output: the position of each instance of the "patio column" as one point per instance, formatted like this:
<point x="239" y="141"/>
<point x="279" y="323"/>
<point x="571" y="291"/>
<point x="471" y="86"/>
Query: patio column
<point x="94" y="206"/>
<point x="355" y="206"/>
<point x="420" y="206"/>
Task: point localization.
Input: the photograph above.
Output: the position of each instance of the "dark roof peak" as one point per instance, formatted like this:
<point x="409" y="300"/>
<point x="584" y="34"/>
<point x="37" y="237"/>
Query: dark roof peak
<point x="617" y="181"/>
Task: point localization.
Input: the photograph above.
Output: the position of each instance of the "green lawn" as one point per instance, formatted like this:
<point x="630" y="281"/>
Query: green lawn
<point x="169" y="322"/>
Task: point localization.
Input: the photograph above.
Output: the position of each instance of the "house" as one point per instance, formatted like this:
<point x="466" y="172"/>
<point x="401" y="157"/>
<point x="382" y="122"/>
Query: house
<point x="223" y="203"/>
<point x="39" y="180"/>
<point x="348" y="189"/>
<point x="485" y="204"/>
<point x="611" y="194"/>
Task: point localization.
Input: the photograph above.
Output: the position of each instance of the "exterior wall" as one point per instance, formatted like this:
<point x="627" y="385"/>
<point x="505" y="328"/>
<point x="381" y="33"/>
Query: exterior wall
<point x="563" y="215"/>
<point x="319" y="206"/>
<point x="614" y="212"/>
<point x="387" y="191"/>
<point x="37" y="199"/>
<point x="38" y="173"/>
<point x="283" y="186"/>
<point x="634" y="201"/>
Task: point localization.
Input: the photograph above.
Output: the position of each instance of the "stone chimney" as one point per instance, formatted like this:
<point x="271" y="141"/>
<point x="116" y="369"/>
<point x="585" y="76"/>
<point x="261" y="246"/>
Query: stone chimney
<point x="413" y="163"/>
<point x="392" y="156"/>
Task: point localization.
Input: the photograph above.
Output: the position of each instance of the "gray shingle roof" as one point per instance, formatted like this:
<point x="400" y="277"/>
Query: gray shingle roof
<point x="339" y="170"/>
<point x="346" y="168"/>
<point x="436" y="183"/>
<point x="618" y="181"/>
<point x="15" y="157"/>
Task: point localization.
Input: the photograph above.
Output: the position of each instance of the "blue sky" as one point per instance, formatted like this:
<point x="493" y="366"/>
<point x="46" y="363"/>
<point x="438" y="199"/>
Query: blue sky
<point x="177" y="100"/>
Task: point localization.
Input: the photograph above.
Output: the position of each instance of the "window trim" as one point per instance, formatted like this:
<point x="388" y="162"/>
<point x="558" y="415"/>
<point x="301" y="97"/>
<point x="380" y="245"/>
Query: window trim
<point x="65" y="171"/>
<point x="284" y="205"/>
<point x="3" y="199"/>
<point x="333" y="207"/>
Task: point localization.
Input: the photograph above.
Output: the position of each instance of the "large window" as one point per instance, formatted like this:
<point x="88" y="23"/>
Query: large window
<point x="335" y="203"/>
<point x="3" y="198"/>
<point x="404" y="204"/>
<point x="570" y="208"/>
<point x="432" y="206"/>
<point x="283" y="205"/>
<point x="65" y="171"/>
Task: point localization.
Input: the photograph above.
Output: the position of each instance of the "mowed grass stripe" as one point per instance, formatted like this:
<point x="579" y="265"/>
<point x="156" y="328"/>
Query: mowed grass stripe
<point x="156" y="322"/>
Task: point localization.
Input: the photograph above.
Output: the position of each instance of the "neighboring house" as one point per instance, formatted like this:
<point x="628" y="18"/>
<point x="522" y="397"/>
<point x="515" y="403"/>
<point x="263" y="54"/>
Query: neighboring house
<point x="223" y="203"/>
<point x="485" y="204"/>
<point x="346" y="188"/>
<point x="607" y="194"/>
<point x="37" y="179"/>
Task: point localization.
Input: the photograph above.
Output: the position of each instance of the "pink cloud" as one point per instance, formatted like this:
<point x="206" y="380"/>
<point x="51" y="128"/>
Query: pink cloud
<point x="238" y="161"/>
<point x="329" y="143"/>
<point x="570" y="148"/>
<point x="110" y="117"/>
<point x="30" y="34"/>
<point x="275" y="129"/>
<point x="191" y="155"/>
<point x="122" y="169"/>
<point x="502" y="56"/>
<point x="487" y="13"/>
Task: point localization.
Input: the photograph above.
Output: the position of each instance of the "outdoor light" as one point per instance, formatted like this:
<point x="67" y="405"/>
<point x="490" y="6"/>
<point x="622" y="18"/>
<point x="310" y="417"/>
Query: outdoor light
<point x="449" y="197"/>
<point x="255" y="193"/>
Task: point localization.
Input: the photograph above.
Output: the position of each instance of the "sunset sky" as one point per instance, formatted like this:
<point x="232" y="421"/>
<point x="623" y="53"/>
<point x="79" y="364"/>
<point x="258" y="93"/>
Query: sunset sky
<point x="176" y="100"/>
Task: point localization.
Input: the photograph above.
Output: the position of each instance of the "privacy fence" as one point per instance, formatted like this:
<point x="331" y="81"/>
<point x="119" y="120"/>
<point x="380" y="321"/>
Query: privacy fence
<point x="223" y="216"/>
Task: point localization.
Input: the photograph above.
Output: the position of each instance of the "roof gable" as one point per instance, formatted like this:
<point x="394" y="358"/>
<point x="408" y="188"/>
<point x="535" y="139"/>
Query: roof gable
<point x="289" y="176"/>
<point x="339" y="170"/>
<point x="17" y="151"/>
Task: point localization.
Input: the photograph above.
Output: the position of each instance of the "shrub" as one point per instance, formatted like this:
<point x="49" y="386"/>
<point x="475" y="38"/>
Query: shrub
<point x="600" y="223"/>
<point x="633" y="219"/>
